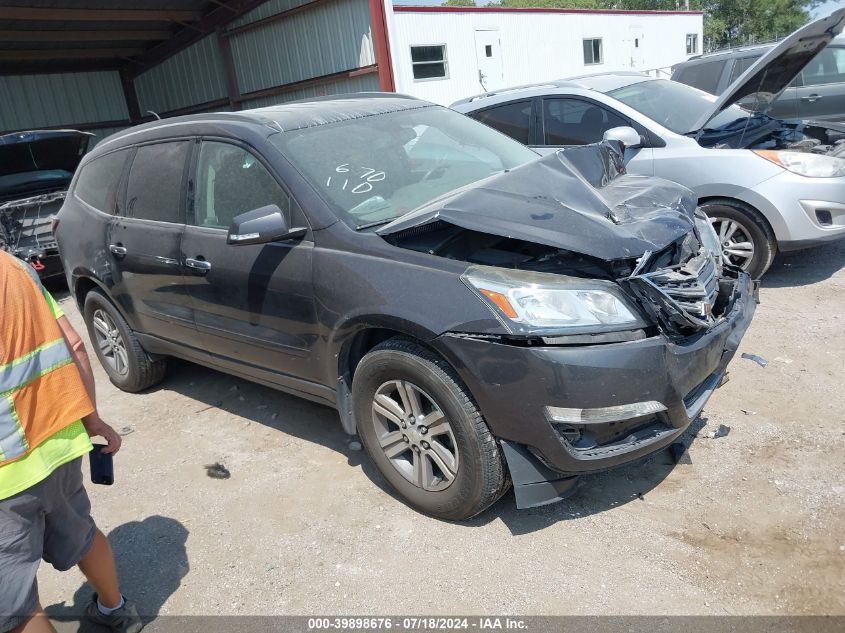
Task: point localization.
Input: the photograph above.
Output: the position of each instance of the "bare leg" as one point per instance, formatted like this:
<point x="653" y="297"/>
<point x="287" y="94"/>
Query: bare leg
<point x="98" y="567"/>
<point x="38" y="623"/>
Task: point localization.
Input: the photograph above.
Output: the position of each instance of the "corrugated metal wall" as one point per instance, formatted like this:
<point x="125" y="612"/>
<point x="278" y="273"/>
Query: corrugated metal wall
<point x="194" y="75"/>
<point x="50" y="100"/>
<point x="271" y="7"/>
<point x="361" y="83"/>
<point x="331" y="37"/>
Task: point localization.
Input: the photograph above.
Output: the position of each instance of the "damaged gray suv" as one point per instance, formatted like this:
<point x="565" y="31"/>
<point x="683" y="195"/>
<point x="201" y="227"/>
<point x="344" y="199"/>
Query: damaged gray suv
<point x="478" y="315"/>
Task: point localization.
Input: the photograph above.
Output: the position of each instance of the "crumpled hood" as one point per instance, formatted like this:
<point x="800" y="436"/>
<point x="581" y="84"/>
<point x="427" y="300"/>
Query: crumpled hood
<point x="577" y="199"/>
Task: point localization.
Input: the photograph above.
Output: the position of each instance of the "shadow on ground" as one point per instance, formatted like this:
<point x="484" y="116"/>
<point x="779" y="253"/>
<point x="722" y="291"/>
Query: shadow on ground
<point x="320" y="425"/>
<point x="151" y="562"/>
<point x="809" y="266"/>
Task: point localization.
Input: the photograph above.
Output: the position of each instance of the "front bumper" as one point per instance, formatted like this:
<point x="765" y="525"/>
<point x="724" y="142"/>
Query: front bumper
<point x="802" y="211"/>
<point x="514" y="385"/>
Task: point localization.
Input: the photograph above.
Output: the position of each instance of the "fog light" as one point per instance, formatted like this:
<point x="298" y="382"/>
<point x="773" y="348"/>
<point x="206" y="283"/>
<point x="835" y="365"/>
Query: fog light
<point x="824" y="217"/>
<point x="603" y="414"/>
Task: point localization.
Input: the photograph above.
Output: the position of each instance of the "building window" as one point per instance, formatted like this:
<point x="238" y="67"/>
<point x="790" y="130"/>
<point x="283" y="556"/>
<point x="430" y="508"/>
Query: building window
<point x="592" y="51"/>
<point x="692" y="43"/>
<point x="429" y="62"/>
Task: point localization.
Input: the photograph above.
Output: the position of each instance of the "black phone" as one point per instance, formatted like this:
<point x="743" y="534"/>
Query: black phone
<point x="102" y="466"/>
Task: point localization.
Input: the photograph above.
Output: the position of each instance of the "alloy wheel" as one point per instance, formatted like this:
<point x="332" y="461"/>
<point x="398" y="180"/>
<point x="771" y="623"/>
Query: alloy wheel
<point x="735" y="241"/>
<point x="415" y="435"/>
<point x="110" y="342"/>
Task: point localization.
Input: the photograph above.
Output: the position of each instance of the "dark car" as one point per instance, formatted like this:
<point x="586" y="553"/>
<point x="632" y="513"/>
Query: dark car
<point x="35" y="170"/>
<point x="817" y="93"/>
<point x="476" y="313"/>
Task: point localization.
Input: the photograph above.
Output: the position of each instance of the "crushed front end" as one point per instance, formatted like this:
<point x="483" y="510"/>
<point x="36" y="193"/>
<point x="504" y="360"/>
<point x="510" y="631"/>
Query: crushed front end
<point x="616" y="317"/>
<point x="26" y="231"/>
<point x="566" y="406"/>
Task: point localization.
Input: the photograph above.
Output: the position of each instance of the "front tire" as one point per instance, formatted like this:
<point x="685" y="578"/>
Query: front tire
<point x="120" y="353"/>
<point x="424" y="432"/>
<point x="746" y="239"/>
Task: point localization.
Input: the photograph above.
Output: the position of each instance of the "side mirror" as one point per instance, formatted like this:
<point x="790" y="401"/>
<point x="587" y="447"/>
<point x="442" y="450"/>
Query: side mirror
<point x="262" y="225"/>
<point x="627" y="136"/>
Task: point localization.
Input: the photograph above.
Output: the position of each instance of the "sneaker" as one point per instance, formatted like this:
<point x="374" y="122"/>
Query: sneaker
<point x="123" y="620"/>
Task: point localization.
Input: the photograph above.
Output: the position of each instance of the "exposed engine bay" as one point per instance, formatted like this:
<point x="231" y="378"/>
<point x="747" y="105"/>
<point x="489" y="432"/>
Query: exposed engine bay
<point x="36" y="168"/>
<point x="26" y="231"/>
<point x="684" y="287"/>
<point x="644" y="234"/>
<point x="797" y="136"/>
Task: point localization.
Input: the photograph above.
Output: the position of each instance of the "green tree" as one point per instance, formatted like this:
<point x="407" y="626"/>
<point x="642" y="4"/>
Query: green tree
<point x="459" y="3"/>
<point x="735" y="22"/>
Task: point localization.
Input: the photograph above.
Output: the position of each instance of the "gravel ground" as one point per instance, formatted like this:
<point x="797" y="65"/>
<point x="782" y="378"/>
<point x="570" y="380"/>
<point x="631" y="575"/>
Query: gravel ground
<point x="753" y="525"/>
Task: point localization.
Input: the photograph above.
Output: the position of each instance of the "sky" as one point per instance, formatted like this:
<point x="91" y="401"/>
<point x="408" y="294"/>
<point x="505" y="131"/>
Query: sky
<point x="827" y="7"/>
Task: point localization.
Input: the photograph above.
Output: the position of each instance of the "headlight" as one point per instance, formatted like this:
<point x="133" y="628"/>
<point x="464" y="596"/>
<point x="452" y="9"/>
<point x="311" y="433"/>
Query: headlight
<point x="542" y="300"/>
<point x="810" y="165"/>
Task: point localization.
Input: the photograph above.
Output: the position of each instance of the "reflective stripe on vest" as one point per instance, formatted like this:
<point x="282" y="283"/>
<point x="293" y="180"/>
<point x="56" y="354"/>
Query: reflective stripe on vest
<point x="17" y="375"/>
<point x="41" y="389"/>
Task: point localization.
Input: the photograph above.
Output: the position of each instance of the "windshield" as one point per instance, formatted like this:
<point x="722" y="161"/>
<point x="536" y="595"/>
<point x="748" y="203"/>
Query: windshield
<point x="377" y="168"/>
<point x="675" y="106"/>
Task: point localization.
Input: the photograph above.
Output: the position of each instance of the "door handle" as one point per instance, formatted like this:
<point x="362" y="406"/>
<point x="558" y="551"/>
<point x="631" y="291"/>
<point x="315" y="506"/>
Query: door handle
<point x="200" y="265"/>
<point x="117" y="249"/>
<point x="812" y="98"/>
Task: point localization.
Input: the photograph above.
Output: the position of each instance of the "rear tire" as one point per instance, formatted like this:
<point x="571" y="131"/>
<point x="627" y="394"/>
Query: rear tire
<point x="738" y="225"/>
<point x="128" y="366"/>
<point x="461" y="470"/>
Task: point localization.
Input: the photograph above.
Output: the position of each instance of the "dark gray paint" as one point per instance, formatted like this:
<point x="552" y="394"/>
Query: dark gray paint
<point x="286" y="314"/>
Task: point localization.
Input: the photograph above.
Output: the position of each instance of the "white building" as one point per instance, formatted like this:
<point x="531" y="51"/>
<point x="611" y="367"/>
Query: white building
<point x="443" y="54"/>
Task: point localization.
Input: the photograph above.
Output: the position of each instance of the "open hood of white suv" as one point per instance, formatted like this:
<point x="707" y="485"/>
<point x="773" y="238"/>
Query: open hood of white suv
<point x="769" y="76"/>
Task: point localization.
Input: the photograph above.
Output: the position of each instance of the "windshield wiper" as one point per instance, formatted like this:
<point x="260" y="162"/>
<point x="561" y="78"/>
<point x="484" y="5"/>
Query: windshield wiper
<point x="370" y="225"/>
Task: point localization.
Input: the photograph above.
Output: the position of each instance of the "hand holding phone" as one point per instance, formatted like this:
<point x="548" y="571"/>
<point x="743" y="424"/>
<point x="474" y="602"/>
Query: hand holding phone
<point x="102" y="466"/>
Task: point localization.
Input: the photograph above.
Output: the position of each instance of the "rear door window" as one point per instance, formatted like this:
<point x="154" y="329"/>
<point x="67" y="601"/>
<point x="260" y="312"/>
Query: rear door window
<point x="828" y="67"/>
<point x="154" y="190"/>
<point x="576" y="122"/>
<point x="513" y="119"/>
<point x="98" y="181"/>
<point x="704" y="76"/>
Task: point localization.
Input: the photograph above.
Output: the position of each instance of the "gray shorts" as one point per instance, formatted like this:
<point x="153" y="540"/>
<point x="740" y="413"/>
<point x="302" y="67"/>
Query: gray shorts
<point x="50" y="521"/>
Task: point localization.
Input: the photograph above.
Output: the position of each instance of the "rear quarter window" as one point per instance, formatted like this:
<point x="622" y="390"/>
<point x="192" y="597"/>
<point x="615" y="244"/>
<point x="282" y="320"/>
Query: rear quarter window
<point x="704" y="76"/>
<point x="513" y="119"/>
<point x="98" y="181"/>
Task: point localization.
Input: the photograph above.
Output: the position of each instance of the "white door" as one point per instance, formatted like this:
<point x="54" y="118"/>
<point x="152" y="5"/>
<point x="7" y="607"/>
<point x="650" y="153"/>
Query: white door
<point x="637" y="47"/>
<point x="488" y="52"/>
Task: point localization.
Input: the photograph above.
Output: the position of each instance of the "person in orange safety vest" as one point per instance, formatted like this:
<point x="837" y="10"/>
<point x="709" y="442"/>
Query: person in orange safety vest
<point x="47" y="413"/>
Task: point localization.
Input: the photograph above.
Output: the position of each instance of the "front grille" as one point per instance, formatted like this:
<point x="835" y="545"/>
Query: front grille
<point x="684" y="295"/>
<point x="692" y="286"/>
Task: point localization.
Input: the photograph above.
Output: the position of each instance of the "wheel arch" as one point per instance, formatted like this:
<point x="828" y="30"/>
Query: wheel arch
<point x="84" y="282"/>
<point x="359" y="338"/>
<point x="772" y="218"/>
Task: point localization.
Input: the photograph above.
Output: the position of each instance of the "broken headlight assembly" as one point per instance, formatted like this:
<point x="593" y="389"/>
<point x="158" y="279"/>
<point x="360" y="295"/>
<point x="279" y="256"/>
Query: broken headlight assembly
<point x="707" y="234"/>
<point x="552" y="302"/>
<point x="805" y="164"/>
